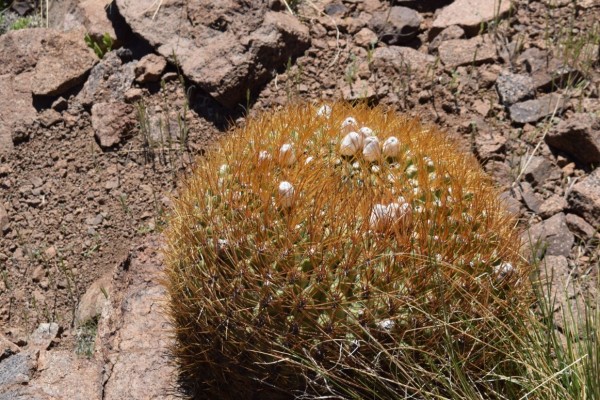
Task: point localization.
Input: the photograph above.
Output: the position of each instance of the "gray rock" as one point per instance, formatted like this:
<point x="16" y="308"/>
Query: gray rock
<point x="537" y="170"/>
<point x="401" y="59"/>
<point x="584" y="198"/>
<point x="150" y="68"/>
<point x="579" y="136"/>
<point x="16" y="370"/>
<point x="396" y="26"/>
<point x="550" y="238"/>
<point x="474" y="51"/>
<point x="451" y="32"/>
<point x="470" y="14"/>
<point x="489" y="145"/>
<point x="581" y="228"/>
<point x="531" y="200"/>
<point x="533" y="110"/>
<point x="225" y="47"/>
<point x="109" y="79"/>
<point x="514" y="87"/>
<point x="112" y="122"/>
<point x="43" y="336"/>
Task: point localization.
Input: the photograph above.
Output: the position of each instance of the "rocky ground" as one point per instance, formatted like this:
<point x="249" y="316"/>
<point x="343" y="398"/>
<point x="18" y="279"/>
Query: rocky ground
<point x="91" y="149"/>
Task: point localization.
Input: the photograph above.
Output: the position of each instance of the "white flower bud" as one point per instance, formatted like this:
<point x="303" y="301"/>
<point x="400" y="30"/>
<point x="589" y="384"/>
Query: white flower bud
<point x="365" y="131"/>
<point x="382" y="217"/>
<point x="287" y="156"/>
<point x="308" y="160"/>
<point x="348" y="122"/>
<point x="264" y="156"/>
<point x="371" y="151"/>
<point x="391" y="147"/>
<point x="286" y="194"/>
<point x="324" y="111"/>
<point x="503" y="270"/>
<point x="351" y="143"/>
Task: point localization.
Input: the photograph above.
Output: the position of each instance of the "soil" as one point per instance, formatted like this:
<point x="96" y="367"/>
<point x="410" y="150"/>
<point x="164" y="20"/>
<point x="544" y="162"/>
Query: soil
<point x="76" y="209"/>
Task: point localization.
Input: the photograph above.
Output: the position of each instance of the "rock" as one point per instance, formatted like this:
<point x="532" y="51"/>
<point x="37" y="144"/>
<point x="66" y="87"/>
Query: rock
<point x="61" y="374"/>
<point x="555" y="272"/>
<point x="224" y="47"/>
<point x="3" y="219"/>
<point x="550" y="237"/>
<point x="469" y="14"/>
<point x="95" y="19"/>
<point x="49" y="117"/>
<point x="529" y="197"/>
<point x="16" y="108"/>
<point x="513" y="87"/>
<point x="365" y="38"/>
<point x="474" y="51"/>
<point x="52" y="75"/>
<point x="489" y="146"/>
<point x="15" y="370"/>
<point x="94" y="301"/>
<point x="396" y="26"/>
<point x="335" y="9"/>
<point x="579" y="136"/>
<point x="537" y="170"/>
<point x="401" y="59"/>
<point x="150" y="68"/>
<point x="133" y="335"/>
<point x="7" y="348"/>
<point x="552" y="205"/>
<point x="112" y="122"/>
<point x="533" y="110"/>
<point x="109" y="79"/>
<point x="358" y="90"/>
<point x="60" y="104"/>
<point x="584" y="198"/>
<point x="43" y="336"/>
<point x="38" y="273"/>
<point x="579" y="227"/>
<point x="451" y="32"/>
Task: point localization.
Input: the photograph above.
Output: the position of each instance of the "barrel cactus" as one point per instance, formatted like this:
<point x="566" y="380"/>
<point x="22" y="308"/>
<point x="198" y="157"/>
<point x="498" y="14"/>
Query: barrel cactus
<point x="319" y="249"/>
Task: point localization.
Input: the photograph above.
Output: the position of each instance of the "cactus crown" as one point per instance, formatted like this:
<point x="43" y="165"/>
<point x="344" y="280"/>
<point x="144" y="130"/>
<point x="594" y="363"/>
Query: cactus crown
<point x="318" y="225"/>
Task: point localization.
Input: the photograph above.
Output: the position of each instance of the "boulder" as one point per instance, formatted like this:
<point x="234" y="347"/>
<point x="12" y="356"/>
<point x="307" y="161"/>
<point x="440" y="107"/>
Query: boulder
<point x="470" y="14"/>
<point x="112" y="122"/>
<point x="109" y="79"/>
<point x="396" y="26"/>
<point x="533" y="110"/>
<point x="579" y="136"/>
<point x="474" y="51"/>
<point x="225" y="47"/>
<point x="584" y="198"/>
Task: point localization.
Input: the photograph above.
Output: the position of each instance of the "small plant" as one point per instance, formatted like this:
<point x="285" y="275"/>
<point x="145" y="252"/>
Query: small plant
<point x="21" y="23"/>
<point x="100" y="47"/>
<point x="343" y="252"/>
<point x="86" y="336"/>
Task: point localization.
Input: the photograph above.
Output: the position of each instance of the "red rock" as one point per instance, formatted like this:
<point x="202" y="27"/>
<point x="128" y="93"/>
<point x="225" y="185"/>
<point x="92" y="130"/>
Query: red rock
<point x="474" y="51"/>
<point x="470" y="14"/>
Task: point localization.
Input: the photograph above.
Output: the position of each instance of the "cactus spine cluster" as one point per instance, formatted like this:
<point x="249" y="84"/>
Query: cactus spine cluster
<point x="340" y="235"/>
